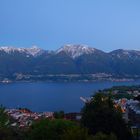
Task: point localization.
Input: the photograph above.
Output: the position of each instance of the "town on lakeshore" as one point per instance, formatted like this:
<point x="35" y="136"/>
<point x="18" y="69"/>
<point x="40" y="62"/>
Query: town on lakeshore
<point x="69" y="69"/>
<point x="125" y="97"/>
<point x="19" y="77"/>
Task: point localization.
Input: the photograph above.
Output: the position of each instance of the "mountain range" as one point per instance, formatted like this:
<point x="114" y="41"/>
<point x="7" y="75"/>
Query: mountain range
<point x="68" y="61"/>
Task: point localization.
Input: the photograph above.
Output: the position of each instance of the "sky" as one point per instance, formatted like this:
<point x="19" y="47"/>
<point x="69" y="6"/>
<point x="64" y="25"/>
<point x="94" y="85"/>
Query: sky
<point x="50" y="24"/>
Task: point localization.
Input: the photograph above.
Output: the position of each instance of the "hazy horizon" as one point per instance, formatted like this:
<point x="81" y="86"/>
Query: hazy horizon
<point x="50" y="24"/>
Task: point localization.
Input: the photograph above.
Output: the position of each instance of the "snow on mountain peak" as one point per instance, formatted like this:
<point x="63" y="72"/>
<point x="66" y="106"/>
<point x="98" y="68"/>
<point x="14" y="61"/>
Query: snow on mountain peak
<point x="121" y="54"/>
<point x="30" y="51"/>
<point x="34" y="51"/>
<point x="76" y="50"/>
<point x="9" y="49"/>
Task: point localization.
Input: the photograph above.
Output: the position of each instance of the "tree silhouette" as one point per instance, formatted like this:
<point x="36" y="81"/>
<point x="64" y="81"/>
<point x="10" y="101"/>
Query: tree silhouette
<point x="100" y="115"/>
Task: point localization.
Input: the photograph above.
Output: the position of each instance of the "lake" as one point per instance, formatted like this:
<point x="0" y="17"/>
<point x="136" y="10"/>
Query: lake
<point x="43" y="96"/>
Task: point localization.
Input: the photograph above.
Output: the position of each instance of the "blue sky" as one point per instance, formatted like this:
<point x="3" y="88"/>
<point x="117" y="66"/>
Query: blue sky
<point x="49" y="24"/>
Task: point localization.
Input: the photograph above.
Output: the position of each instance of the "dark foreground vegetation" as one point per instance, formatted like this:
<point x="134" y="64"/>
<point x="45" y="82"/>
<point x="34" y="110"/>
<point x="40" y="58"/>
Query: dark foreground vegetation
<point x="100" y="121"/>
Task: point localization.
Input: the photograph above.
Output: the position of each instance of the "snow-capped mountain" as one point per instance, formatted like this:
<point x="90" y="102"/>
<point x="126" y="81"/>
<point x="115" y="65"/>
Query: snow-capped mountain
<point x="34" y="51"/>
<point x="75" y="51"/>
<point x="129" y="54"/>
<point x="70" y="59"/>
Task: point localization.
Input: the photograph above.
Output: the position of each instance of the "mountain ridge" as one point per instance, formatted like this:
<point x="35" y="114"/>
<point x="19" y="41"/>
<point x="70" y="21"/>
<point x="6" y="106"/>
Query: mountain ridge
<point x="68" y="48"/>
<point x="68" y="60"/>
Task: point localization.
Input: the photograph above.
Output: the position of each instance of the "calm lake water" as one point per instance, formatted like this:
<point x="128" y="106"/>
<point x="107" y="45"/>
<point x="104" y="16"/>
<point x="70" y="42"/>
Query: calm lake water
<point x="51" y="96"/>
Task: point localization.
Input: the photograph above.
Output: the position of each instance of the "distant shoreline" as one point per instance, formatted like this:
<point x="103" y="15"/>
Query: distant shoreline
<point x="69" y="81"/>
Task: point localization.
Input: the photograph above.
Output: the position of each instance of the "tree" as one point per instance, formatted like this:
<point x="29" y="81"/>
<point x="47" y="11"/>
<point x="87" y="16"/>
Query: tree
<point x="6" y="132"/>
<point x="100" y="115"/>
<point x="4" y="120"/>
<point x="62" y="130"/>
<point x="10" y="134"/>
<point x="75" y="133"/>
<point x="101" y="136"/>
<point x="49" y="129"/>
<point x="78" y="133"/>
<point x="59" y="115"/>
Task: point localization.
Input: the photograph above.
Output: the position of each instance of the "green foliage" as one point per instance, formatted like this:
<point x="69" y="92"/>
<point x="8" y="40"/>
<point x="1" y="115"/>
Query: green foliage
<point x="3" y="117"/>
<point x="75" y="133"/>
<point x="49" y="129"/>
<point x="101" y="136"/>
<point x="62" y="130"/>
<point x="7" y="133"/>
<point x="78" y="133"/>
<point x="123" y="89"/>
<point x="10" y="134"/>
<point x="59" y="115"/>
<point x="100" y="121"/>
<point x="123" y="95"/>
<point x="101" y="116"/>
